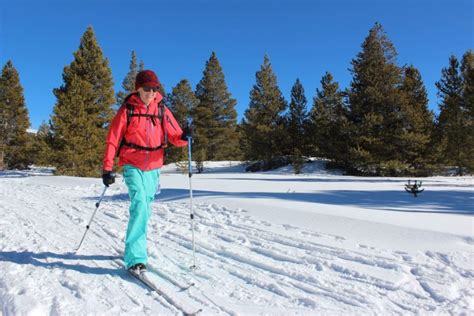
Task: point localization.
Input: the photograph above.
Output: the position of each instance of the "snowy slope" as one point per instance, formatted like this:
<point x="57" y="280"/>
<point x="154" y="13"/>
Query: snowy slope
<point x="266" y="244"/>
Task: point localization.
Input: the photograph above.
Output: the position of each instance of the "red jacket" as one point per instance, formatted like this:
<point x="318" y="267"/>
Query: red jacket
<point x="142" y="131"/>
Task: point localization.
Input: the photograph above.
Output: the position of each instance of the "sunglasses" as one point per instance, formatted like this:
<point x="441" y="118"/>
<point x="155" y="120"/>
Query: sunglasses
<point x="148" y="89"/>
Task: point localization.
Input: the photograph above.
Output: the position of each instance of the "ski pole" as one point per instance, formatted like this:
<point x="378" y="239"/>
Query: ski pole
<point x="92" y="217"/>
<point x="190" y="173"/>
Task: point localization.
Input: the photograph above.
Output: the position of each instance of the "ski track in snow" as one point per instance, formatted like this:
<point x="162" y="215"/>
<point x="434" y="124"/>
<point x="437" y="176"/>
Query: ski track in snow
<point x="246" y="265"/>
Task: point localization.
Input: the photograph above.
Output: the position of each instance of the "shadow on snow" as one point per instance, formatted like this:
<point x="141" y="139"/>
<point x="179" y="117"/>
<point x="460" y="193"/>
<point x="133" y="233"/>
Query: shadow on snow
<point x="443" y="201"/>
<point x="36" y="259"/>
<point x="333" y="179"/>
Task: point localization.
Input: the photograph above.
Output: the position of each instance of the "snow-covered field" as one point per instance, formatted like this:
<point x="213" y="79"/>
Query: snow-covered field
<point x="266" y="244"/>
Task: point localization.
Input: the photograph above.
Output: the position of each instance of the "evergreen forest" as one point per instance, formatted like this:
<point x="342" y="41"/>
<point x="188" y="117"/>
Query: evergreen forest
<point x="380" y="125"/>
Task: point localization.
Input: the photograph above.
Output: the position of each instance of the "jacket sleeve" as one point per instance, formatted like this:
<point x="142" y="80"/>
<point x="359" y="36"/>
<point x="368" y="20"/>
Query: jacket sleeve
<point x="116" y="131"/>
<point x="173" y="129"/>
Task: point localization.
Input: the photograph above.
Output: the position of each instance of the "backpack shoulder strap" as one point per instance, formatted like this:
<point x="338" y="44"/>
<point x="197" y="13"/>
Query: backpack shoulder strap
<point x="129" y="113"/>
<point x="129" y="118"/>
<point x="129" y="107"/>
<point x="161" y="115"/>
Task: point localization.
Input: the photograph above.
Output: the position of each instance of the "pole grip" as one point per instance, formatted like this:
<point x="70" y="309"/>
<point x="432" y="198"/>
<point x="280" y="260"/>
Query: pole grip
<point x="190" y="167"/>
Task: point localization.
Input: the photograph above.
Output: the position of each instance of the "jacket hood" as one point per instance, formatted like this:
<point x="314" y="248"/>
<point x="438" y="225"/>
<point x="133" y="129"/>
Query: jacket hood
<point x="134" y="99"/>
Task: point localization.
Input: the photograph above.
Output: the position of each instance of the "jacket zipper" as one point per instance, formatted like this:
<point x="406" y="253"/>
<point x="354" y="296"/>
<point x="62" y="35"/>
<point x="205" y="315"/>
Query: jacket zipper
<point x="147" y="132"/>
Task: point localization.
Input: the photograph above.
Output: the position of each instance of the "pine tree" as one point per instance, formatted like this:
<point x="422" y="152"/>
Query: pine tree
<point x="42" y="146"/>
<point x="83" y="110"/>
<point x="215" y="117"/>
<point x="453" y="117"/>
<point x="263" y="124"/>
<point x="15" y="145"/>
<point x="330" y="129"/>
<point x="418" y="124"/>
<point x="297" y="161"/>
<point x="128" y="84"/>
<point x="375" y="105"/>
<point x="182" y="102"/>
<point x="296" y="121"/>
<point x="467" y="70"/>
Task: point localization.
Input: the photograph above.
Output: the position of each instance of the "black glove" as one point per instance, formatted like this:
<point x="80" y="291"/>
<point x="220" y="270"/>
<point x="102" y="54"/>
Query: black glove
<point x="108" y="177"/>
<point x="187" y="132"/>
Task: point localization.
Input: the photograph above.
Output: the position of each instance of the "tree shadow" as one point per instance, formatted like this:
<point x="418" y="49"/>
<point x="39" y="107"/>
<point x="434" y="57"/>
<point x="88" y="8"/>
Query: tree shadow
<point x="13" y="174"/>
<point x="444" y="201"/>
<point x="322" y="179"/>
<point x="36" y="259"/>
<point x="439" y="201"/>
<point x="36" y="172"/>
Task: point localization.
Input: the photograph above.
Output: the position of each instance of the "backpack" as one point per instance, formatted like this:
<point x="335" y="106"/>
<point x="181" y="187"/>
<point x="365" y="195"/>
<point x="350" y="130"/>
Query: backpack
<point x="160" y="116"/>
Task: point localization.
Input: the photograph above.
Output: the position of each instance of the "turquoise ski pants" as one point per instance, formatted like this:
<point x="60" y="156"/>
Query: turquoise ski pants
<point x="141" y="189"/>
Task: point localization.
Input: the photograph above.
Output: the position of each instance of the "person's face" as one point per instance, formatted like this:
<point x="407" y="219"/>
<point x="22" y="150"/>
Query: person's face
<point x="147" y="94"/>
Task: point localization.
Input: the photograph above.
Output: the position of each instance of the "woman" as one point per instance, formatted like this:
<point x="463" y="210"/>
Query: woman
<point x="138" y="135"/>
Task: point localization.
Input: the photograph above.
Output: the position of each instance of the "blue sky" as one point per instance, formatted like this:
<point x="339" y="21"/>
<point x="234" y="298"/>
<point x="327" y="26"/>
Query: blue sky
<point x="303" y="39"/>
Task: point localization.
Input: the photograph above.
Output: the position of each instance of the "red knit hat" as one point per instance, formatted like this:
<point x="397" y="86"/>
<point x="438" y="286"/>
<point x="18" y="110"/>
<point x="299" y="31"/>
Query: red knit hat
<point x="146" y="78"/>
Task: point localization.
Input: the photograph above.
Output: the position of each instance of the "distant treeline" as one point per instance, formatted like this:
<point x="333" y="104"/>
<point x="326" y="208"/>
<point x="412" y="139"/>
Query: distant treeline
<point x="379" y="125"/>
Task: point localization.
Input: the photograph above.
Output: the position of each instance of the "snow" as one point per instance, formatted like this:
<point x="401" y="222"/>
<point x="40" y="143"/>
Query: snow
<point x="268" y="243"/>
